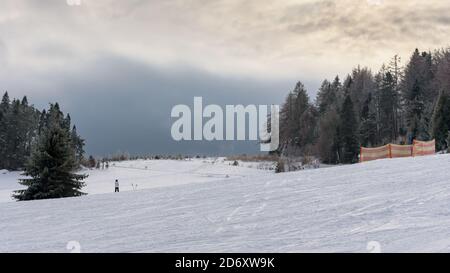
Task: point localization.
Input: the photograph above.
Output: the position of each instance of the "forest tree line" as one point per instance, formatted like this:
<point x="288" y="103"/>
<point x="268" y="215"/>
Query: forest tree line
<point x="21" y="127"/>
<point x="398" y="104"/>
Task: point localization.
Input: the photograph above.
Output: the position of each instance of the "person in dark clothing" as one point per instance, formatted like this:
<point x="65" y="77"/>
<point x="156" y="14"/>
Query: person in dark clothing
<point x="117" y="186"/>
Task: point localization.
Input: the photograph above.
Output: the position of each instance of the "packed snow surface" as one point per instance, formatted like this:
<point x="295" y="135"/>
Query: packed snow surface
<point x="144" y="174"/>
<point x="392" y="205"/>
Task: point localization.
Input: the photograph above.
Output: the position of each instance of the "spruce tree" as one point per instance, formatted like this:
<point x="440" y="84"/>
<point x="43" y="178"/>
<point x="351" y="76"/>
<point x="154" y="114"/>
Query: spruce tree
<point x="15" y="137"/>
<point x="24" y="101"/>
<point x="388" y="107"/>
<point x="368" y="130"/>
<point x="67" y="122"/>
<point x="297" y="121"/>
<point x="419" y="95"/>
<point x="327" y="146"/>
<point x="336" y="86"/>
<point x="78" y="145"/>
<point x="42" y="122"/>
<point x="349" y="132"/>
<point x="52" y="164"/>
<point x="4" y="108"/>
<point x="359" y="87"/>
<point x="4" y="105"/>
<point x="441" y="121"/>
<point x="325" y="97"/>
<point x="18" y="123"/>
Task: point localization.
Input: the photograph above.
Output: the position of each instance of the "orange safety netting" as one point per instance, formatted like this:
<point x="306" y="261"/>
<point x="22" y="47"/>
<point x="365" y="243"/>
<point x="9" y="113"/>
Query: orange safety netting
<point x="419" y="148"/>
<point x="368" y="154"/>
<point x="424" y="148"/>
<point x="401" y="150"/>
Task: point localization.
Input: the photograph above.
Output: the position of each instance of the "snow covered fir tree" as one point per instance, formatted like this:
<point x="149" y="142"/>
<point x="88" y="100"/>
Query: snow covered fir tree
<point x="53" y="161"/>
<point x="43" y="145"/>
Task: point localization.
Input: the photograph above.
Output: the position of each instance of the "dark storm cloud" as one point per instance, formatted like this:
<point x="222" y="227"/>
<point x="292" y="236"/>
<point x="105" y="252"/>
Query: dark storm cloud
<point x="124" y="105"/>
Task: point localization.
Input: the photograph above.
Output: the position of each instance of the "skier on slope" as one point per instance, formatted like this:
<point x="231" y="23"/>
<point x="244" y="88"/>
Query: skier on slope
<point x="116" y="186"/>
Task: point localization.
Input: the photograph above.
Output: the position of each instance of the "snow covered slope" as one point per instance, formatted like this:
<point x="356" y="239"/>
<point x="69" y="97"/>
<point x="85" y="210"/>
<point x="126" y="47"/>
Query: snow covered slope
<point x="145" y="174"/>
<point x="401" y="204"/>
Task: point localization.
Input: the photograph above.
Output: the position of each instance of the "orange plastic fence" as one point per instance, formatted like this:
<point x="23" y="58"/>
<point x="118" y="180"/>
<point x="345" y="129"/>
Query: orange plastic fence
<point x="422" y="148"/>
<point x="419" y="148"/>
<point x="368" y="154"/>
<point x="401" y="150"/>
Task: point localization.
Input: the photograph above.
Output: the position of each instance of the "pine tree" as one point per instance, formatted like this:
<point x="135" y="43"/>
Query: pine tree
<point x="297" y="121"/>
<point x="361" y="85"/>
<point x="30" y="119"/>
<point x="397" y="71"/>
<point x="388" y="108"/>
<point x="52" y="164"/>
<point x="42" y="122"/>
<point x="414" y="111"/>
<point x="18" y="123"/>
<point x="368" y="129"/>
<point x="441" y="121"/>
<point x="349" y="132"/>
<point x="442" y="68"/>
<point x="336" y="86"/>
<point x="327" y="146"/>
<point x="4" y="124"/>
<point x="419" y="95"/>
<point x="15" y="137"/>
<point x="425" y="129"/>
<point x="78" y="145"/>
<point x="325" y="97"/>
<point x="5" y="102"/>
<point x="328" y="95"/>
<point x="24" y="101"/>
<point x="67" y="122"/>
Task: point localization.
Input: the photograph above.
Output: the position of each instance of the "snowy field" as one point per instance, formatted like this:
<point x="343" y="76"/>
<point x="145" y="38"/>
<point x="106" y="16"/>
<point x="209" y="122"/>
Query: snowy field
<point x="400" y="205"/>
<point x="145" y="174"/>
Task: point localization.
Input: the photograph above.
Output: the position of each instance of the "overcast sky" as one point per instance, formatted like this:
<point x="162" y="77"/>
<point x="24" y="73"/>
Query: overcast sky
<point x="119" y="66"/>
